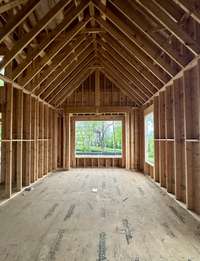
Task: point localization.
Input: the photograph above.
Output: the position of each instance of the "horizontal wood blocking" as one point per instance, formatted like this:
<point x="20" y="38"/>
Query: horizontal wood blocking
<point x="177" y="142"/>
<point x="28" y="133"/>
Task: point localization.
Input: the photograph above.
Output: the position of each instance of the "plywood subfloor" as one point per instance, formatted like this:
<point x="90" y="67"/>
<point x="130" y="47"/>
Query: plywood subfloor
<point x="127" y="219"/>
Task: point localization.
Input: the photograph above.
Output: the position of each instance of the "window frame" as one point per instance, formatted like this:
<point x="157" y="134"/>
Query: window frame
<point x="2" y="72"/>
<point x="100" y="155"/>
<point x="109" y="117"/>
<point x="148" y="111"/>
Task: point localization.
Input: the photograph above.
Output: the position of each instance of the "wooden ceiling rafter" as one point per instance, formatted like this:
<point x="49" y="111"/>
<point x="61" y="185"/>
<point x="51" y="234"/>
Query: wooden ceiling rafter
<point x="69" y="69"/>
<point x="150" y="88"/>
<point x="143" y="59"/>
<point x="81" y="15"/>
<point x="56" y="50"/>
<point x="128" y="56"/>
<point x="127" y="44"/>
<point x="10" y="5"/>
<point x="116" y="73"/>
<point x="7" y="80"/>
<point x="76" y="83"/>
<point x="121" y="66"/>
<point x="73" y="75"/>
<point x="148" y="30"/>
<point x="54" y="71"/>
<point x="189" y="8"/>
<point x="72" y="83"/>
<point x="18" y="19"/>
<point x="154" y="9"/>
<point x="47" y="72"/>
<point x="123" y="77"/>
<point x="55" y="36"/>
<point x="142" y="44"/>
<point x="119" y="85"/>
<point x="61" y="72"/>
<point x="22" y="43"/>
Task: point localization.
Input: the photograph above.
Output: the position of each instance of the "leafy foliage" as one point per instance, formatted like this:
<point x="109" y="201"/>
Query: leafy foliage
<point x="1" y="72"/>
<point x="149" y="138"/>
<point x="99" y="137"/>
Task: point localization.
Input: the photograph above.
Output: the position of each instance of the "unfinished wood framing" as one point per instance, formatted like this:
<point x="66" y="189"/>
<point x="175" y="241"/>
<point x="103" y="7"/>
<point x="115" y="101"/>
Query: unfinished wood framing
<point x="25" y="140"/>
<point x="90" y="59"/>
<point x="8" y="134"/>
<point x="176" y="133"/>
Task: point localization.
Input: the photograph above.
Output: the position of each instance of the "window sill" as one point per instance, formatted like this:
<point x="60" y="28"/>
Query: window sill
<point x="98" y="156"/>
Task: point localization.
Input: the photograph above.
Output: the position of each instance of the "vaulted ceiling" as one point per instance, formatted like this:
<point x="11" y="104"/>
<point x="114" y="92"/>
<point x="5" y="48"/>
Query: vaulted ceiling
<point x="50" y="47"/>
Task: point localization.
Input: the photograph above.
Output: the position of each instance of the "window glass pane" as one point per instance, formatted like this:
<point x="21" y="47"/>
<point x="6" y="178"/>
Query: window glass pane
<point x="2" y="72"/>
<point x="149" y="138"/>
<point x="99" y="138"/>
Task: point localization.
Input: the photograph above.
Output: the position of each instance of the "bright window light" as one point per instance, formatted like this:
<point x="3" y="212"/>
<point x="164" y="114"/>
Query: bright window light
<point x="2" y="71"/>
<point x="98" y="138"/>
<point x="149" y="138"/>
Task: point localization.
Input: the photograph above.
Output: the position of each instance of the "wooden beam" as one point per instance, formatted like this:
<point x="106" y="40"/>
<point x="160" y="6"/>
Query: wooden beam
<point x="179" y="75"/>
<point x="191" y="80"/>
<point x="49" y="73"/>
<point x="64" y="141"/>
<point x="148" y="30"/>
<point x="61" y="72"/>
<point x="137" y="79"/>
<point x="94" y="30"/>
<point x="34" y="106"/>
<point x="68" y="140"/>
<point x="22" y="43"/>
<point x="95" y="109"/>
<point x="17" y="86"/>
<point x="141" y="42"/>
<point x="62" y="97"/>
<point x="166" y="21"/>
<point x="36" y="137"/>
<point x="81" y="15"/>
<point x="119" y="75"/>
<point x="169" y="129"/>
<point x="97" y="89"/>
<point x="18" y="19"/>
<point x="41" y="141"/>
<point x="8" y="134"/>
<point x="67" y="135"/>
<point x="139" y="55"/>
<point x="46" y="137"/>
<point x="55" y="36"/>
<point x="19" y="115"/>
<point x="162" y="142"/>
<point x="140" y="70"/>
<point x="124" y="69"/>
<point x="7" y="6"/>
<point x="189" y="7"/>
<point x="120" y="84"/>
<point x="27" y="144"/>
<point x="104" y="2"/>
<point x="156" y="137"/>
<point x="68" y="86"/>
<point x="50" y="91"/>
<point x="55" y="140"/>
<point x="179" y="135"/>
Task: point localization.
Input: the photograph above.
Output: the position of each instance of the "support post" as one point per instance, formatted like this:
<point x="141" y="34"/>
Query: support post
<point x="8" y="136"/>
<point x="19" y="113"/>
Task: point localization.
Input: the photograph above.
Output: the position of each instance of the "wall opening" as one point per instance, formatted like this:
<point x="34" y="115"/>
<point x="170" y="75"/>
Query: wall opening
<point x="95" y="151"/>
<point x="2" y="71"/>
<point x="149" y="138"/>
<point x="98" y="138"/>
